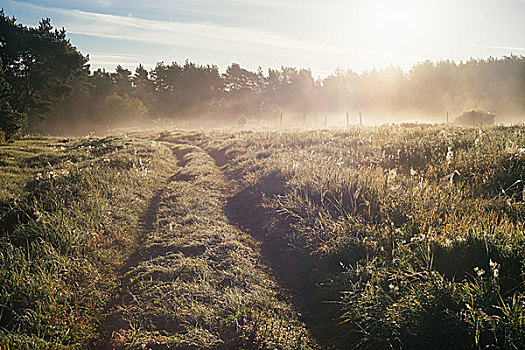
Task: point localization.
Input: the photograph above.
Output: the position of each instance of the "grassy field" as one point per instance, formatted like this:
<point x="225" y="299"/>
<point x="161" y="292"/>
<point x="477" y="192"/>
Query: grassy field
<point x="379" y="237"/>
<point x="70" y="212"/>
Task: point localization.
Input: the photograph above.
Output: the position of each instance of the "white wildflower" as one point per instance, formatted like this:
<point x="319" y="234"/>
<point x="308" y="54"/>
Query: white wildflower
<point x="450" y="155"/>
<point x="494" y="267"/>
<point x="479" y="272"/>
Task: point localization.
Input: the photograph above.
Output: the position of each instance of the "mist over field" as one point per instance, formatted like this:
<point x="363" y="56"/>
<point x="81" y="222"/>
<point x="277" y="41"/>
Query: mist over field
<point x="49" y="86"/>
<point x="364" y="190"/>
<point x="190" y="95"/>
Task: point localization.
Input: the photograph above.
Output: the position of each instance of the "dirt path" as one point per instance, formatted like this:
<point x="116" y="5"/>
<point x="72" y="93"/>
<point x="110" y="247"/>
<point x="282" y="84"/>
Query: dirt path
<point x="292" y="268"/>
<point x="198" y="282"/>
<point x="115" y="330"/>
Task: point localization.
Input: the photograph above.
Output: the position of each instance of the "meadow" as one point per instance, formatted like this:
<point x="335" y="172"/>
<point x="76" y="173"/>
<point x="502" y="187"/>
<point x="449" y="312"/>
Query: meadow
<point x="395" y="236"/>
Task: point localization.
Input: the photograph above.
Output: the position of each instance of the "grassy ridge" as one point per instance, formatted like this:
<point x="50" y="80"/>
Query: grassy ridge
<point x="69" y="216"/>
<point x="411" y="254"/>
<point x="198" y="282"/>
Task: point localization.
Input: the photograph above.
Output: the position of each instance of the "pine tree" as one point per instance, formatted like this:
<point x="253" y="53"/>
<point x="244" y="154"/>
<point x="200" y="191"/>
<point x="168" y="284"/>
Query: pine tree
<point x="38" y="65"/>
<point x="11" y="121"/>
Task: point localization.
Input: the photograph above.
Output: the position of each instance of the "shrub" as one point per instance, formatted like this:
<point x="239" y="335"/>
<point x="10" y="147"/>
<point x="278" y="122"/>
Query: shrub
<point x="123" y="108"/>
<point x="12" y="123"/>
<point x="475" y="117"/>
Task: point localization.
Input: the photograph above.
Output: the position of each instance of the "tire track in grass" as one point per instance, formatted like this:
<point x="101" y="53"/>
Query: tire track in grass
<point x="294" y="269"/>
<point x="198" y="282"/>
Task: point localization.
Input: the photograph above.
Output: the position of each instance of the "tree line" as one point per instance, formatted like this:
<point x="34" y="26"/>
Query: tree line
<point x="46" y="84"/>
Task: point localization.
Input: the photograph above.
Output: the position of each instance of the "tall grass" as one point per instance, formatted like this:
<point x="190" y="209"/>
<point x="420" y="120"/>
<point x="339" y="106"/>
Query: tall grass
<point x="69" y="218"/>
<point x="410" y="257"/>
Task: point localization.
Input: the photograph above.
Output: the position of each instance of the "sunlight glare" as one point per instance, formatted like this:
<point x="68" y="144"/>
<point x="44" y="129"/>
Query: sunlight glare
<point x="394" y="26"/>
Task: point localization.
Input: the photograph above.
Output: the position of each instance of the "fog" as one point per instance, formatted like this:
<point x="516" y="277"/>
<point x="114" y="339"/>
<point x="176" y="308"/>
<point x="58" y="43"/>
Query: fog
<point x="196" y="96"/>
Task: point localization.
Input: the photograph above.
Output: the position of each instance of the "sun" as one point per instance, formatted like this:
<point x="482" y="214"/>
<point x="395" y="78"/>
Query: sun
<point x="394" y="26"/>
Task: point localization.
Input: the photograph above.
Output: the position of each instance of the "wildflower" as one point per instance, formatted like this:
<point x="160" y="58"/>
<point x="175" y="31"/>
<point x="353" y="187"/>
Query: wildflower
<point x="494" y="267"/>
<point x="479" y="272"/>
<point x="450" y="155"/>
<point x="393" y="288"/>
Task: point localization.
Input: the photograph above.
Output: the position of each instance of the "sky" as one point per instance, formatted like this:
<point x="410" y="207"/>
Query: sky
<point x="321" y="35"/>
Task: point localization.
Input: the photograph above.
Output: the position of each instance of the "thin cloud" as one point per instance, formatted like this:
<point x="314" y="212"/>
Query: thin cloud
<point x="122" y="57"/>
<point x="513" y="48"/>
<point x="196" y="35"/>
<point x="200" y="5"/>
<point x="495" y="47"/>
<point x="130" y="65"/>
<point x="277" y="4"/>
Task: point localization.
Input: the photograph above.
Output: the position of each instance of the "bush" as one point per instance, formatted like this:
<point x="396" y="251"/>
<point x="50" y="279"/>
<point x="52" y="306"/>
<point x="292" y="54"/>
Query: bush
<point x="12" y="123"/>
<point x="241" y="121"/>
<point x="123" y="108"/>
<point x="473" y="118"/>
